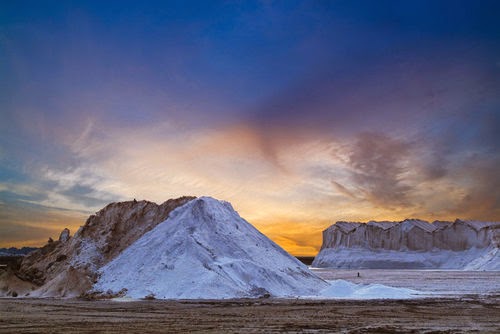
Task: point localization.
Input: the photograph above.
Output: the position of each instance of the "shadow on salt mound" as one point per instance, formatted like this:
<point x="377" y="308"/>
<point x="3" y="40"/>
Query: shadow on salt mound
<point x="340" y="289"/>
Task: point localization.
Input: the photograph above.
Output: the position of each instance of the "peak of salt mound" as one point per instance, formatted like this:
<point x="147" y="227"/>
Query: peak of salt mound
<point x="206" y="250"/>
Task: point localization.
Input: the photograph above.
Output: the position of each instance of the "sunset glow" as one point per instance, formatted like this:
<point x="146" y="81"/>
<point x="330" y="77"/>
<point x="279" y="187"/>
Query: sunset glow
<point x="299" y="113"/>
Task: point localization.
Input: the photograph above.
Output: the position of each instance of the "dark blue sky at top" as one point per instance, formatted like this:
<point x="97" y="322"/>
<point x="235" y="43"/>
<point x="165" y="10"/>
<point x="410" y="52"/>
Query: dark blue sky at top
<point x="424" y="72"/>
<point x="326" y="65"/>
<point x="237" y="59"/>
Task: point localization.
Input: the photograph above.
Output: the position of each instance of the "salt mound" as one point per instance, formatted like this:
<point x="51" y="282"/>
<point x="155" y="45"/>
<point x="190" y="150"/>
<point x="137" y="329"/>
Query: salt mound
<point x="206" y="250"/>
<point x="340" y="289"/>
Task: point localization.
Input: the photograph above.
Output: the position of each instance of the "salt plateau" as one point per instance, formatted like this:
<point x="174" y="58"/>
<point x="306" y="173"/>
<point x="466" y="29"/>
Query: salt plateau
<point x="411" y="244"/>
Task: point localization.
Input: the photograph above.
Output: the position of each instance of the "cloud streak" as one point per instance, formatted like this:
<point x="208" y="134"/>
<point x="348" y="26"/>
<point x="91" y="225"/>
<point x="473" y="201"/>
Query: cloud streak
<point x="378" y="165"/>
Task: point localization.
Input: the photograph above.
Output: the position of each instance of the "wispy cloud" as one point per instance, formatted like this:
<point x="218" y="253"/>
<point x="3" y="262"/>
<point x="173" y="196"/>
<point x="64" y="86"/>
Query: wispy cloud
<point x="378" y="164"/>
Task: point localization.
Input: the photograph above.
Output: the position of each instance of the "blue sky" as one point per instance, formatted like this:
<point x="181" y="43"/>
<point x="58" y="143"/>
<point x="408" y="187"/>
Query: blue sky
<point x="300" y="113"/>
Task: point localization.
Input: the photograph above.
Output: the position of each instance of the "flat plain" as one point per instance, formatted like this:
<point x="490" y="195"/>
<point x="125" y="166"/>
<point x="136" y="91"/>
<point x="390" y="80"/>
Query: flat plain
<point x="436" y="315"/>
<point x="431" y="282"/>
<point x="455" y="302"/>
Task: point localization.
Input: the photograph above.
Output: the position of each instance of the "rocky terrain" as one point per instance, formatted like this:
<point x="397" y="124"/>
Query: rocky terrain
<point x="68" y="266"/>
<point x="411" y="244"/>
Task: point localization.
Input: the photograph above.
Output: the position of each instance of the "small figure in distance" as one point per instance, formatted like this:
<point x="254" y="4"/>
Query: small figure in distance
<point x="358" y="274"/>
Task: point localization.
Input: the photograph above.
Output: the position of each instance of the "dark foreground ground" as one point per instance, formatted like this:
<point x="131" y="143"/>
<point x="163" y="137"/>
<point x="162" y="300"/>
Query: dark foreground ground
<point x="437" y="315"/>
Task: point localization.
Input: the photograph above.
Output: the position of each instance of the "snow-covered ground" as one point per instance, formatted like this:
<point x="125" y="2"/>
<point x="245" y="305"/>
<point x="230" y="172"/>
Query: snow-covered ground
<point x="428" y="282"/>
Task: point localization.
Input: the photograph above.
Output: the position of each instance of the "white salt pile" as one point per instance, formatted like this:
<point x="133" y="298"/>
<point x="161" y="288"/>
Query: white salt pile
<point x="340" y="289"/>
<point x="206" y="250"/>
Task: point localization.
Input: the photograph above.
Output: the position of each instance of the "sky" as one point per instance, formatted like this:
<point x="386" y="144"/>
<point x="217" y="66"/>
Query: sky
<point x="299" y="113"/>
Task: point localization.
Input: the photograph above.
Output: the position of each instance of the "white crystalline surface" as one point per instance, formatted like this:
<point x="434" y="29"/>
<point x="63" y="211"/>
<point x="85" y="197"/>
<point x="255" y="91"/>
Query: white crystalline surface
<point x="435" y="283"/>
<point x="411" y="244"/>
<point x="341" y="289"/>
<point x="358" y="258"/>
<point x="206" y="250"/>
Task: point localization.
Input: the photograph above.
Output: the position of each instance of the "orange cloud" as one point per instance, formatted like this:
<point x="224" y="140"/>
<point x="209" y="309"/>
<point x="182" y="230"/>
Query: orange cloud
<point x="291" y="205"/>
<point x="33" y="225"/>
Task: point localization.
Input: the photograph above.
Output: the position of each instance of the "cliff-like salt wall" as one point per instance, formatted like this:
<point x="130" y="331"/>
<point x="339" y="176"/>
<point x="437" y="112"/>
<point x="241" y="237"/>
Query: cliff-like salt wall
<point x="412" y="234"/>
<point x="402" y="244"/>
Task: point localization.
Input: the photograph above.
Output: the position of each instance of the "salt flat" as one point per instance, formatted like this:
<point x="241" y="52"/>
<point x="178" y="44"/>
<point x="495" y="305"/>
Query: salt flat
<point x="437" y="282"/>
<point x="466" y="302"/>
